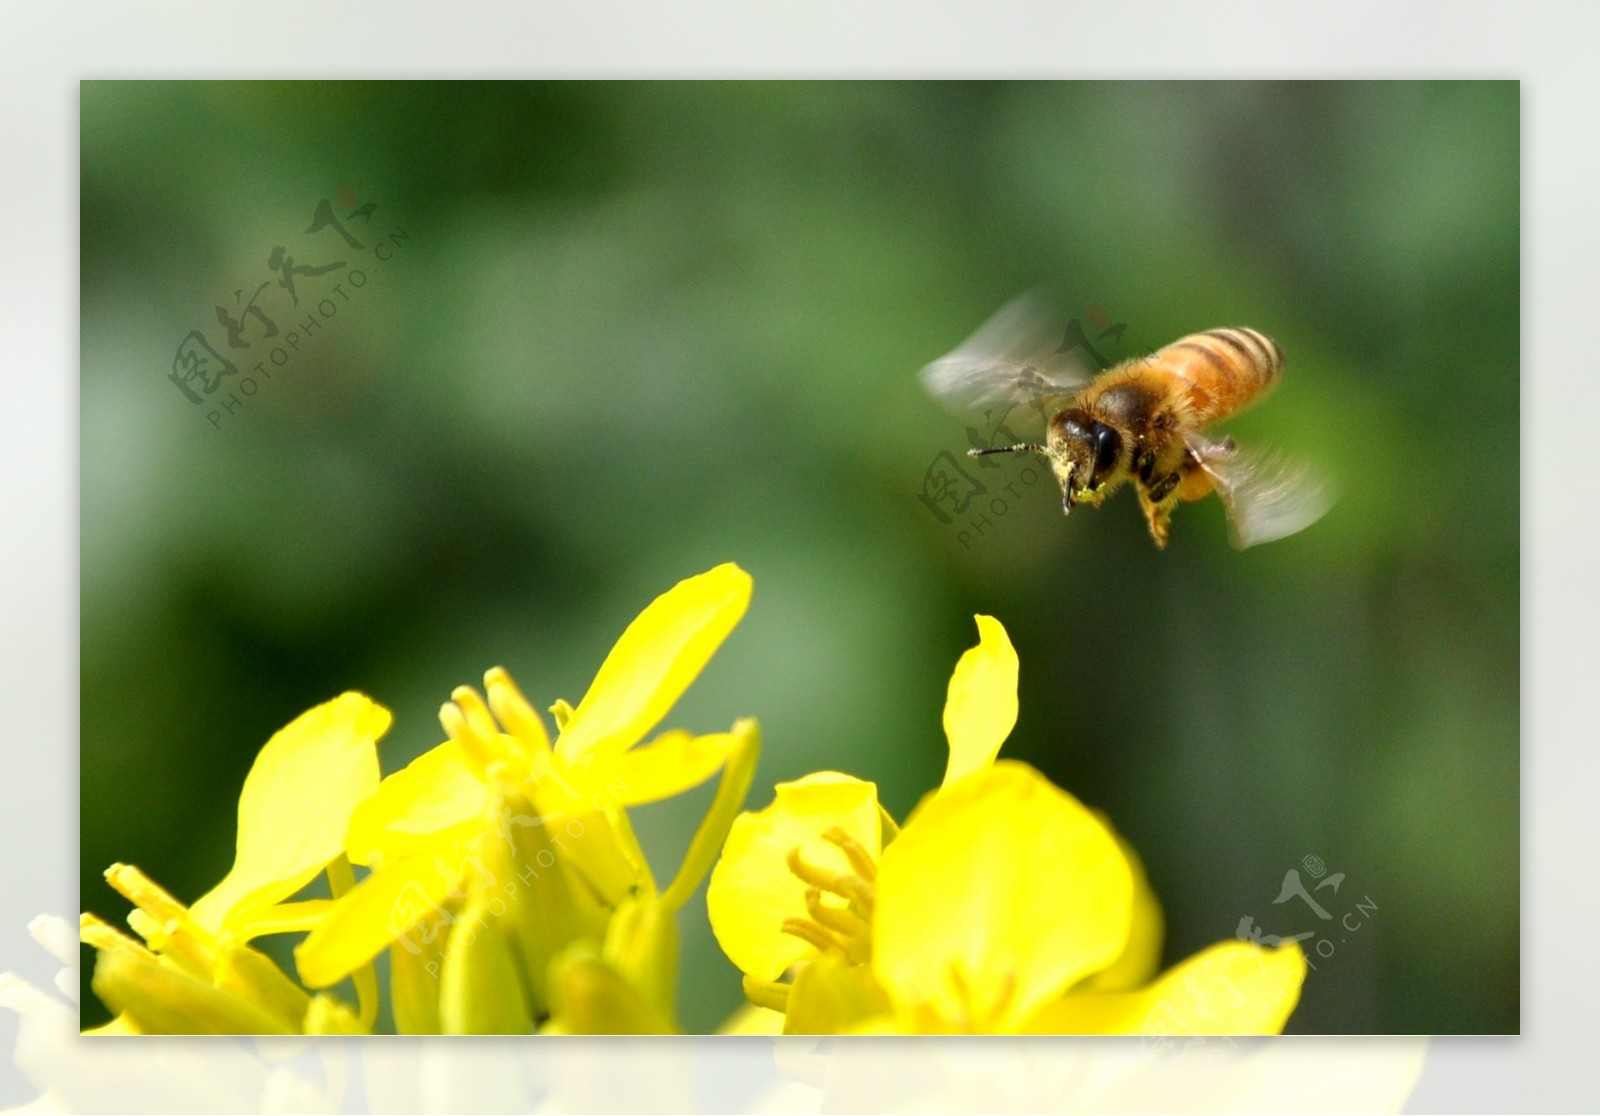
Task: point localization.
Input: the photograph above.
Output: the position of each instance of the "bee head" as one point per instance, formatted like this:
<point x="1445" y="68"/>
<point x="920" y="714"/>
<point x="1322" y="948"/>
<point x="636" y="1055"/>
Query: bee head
<point x="1085" y="454"/>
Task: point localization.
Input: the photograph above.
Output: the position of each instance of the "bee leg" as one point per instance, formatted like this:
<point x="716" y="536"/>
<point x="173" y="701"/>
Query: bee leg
<point x="1068" y="500"/>
<point x="1194" y="482"/>
<point x="1163" y="488"/>
<point x="1157" y="512"/>
<point x="1144" y="463"/>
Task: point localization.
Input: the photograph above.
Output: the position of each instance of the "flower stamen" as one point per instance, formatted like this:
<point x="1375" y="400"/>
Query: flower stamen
<point x="847" y="930"/>
<point x="816" y="877"/>
<point x="859" y="858"/>
<point x="809" y="932"/>
<point x="476" y="713"/>
<point x="458" y="728"/>
<point x="840" y="919"/>
<point x="857" y="890"/>
<point x="515" y="713"/>
<point x="103" y="936"/>
<point x="770" y="994"/>
<point x="162" y="921"/>
<point x="853" y="931"/>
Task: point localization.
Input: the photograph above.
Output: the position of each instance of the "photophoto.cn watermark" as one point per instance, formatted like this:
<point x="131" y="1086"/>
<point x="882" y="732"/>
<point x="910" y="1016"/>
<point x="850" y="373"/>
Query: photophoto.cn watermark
<point x="1334" y="927"/>
<point x="1177" y="1027"/>
<point x="417" y="922"/>
<point x="971" y="495"/>
<point x="1184" y="1025"/>
<point x="267" y="326"/>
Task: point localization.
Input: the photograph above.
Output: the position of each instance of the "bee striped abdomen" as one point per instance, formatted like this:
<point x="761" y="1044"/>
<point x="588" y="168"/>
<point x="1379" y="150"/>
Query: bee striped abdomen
<point x="1224" y="370"/>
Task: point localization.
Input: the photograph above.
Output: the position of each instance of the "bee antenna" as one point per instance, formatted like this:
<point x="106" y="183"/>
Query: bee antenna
<point x="1026" y="448"/>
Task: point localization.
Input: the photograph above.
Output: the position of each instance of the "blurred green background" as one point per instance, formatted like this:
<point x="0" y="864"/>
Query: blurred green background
<point x="639" y="329"/>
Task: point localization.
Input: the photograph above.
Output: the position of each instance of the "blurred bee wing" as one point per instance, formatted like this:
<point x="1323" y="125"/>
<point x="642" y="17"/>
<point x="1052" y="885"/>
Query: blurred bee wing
<point x="1266" y="497"/>
<point x="1018" y="357"/>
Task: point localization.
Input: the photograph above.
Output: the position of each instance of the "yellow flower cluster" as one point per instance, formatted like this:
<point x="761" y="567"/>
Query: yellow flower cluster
<point x="1002" y="906"/>
<point x="500" y="873"/>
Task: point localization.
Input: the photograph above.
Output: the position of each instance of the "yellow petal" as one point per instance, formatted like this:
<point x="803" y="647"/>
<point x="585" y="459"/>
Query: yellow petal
<point x="667" y="766"/>
<point x="600" y="847"/>
<point x="752" y="1020"/>
<point x="752" y="890"/>
<point x="980" y="709"/>
<point x="548" y="903"/>
<point x="281" y="918"/>
<point x="162" y="999"/>
<point x="252" y="976"/>
<point x="656" y="659"/>
<point x="414" y="987"/>
<point x="1000" y="893"/>
<point x="327" y="1016"/>
<point x="1141" y="957"/>
<point x="399" y="904"/>
<point x="832" y="997"/>
<point x="296" y="803"/>
<point x="438" y="790"/>
<point x="480" y="989"/>
<point x="641" y="944"/>
<point x="122" y="1025"/>
<point x="879" y="1025"/>
<point x="590" y="997"/>
<point x="1232" y="988"/>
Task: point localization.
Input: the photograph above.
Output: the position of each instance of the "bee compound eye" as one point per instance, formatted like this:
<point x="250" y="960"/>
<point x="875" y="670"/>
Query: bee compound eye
<point x="1075" y="430"/>
<point x="1107" y="445"/>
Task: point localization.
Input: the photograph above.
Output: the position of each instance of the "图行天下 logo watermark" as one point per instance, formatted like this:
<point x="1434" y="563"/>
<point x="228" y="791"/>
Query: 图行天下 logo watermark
<point x="534" y="847"/>
<point x="971" y="495"/>
<point x="263" y="331"/>
<point x="1180" y="1027"/>
<point x="1331" y="928"/>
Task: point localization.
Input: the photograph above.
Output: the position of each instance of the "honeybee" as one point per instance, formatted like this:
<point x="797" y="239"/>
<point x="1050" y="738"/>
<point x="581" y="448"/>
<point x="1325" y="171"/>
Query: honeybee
<point x="1141" y="421"/>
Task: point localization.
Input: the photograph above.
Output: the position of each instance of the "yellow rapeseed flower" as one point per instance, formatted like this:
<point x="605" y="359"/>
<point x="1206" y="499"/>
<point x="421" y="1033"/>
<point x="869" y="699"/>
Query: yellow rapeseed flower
<point x="190" y="970"/>
<point x="1003" y="906"/>
<point x="497" y="817"/>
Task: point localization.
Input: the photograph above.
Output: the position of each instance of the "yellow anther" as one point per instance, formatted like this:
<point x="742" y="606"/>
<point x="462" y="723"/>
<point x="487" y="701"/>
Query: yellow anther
<point x="860" y="859"/>
<point x="161" y="920"/>
<point x="810" y="932"/>
<point x="478" y="751"/>
<point x="148" y="927"/>
<point x="144" y="893"/>
<point x="513" y="711"/>
<point x="846" y="886"/>
<point x="853" y="932"/>
<point x="838" y="919"/>
<point x="102" y="935"/>
<point x="766" y="993"/>
<point x="816" y="877"/>
<point x="476" y="712"/>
